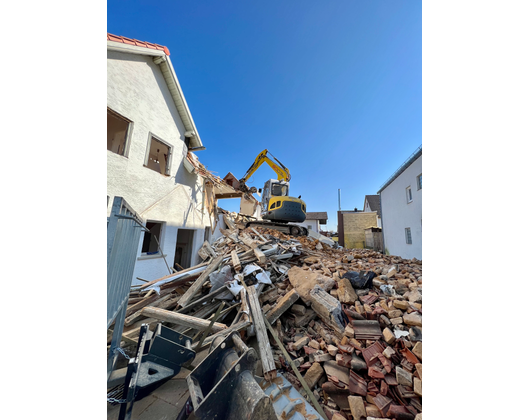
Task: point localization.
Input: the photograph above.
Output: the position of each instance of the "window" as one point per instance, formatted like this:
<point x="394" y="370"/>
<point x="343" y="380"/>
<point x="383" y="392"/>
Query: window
<point x="151" y="238"/>
<point x="158" y="156"/>
<point x="408" y="236"/>
<point x="273" y="206"/>
<point x="409" y="195"/>
<point x="418" y="180"/>
<point x="117" y="132"/>
<point x="279" y="190"/>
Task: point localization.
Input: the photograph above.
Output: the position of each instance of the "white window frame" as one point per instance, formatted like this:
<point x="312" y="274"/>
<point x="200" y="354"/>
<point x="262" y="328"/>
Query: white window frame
<point x="408" y="235"/>
<point x="418" y="182"/>
<point x="169" y="157"/>
<point x="408" y="192"/>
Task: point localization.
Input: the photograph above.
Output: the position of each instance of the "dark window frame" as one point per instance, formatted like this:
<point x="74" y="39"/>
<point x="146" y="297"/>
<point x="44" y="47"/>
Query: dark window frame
<point x="152" y="136"/>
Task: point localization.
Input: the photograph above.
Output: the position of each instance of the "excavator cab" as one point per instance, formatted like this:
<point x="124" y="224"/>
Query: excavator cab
<point x="278" y="206"/>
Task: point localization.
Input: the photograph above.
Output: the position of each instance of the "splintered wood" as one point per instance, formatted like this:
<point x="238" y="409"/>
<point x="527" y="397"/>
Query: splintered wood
<point x="350" y="319"/>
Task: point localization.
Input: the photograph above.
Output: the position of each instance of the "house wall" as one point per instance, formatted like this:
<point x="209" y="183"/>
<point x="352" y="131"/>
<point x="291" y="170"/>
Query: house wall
<point x="137" y="90"/>
<point x="312" y="222"/>
<point x="367" y="207"/>
<point x="398" y="214"/>
<point x="354" y="224"/>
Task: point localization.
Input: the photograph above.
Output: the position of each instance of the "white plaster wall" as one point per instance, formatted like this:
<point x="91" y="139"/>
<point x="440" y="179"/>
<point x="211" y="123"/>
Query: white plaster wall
<point x="307" y="222"/>
<point x="397" y="214"/>
<point x="137" y="90"/>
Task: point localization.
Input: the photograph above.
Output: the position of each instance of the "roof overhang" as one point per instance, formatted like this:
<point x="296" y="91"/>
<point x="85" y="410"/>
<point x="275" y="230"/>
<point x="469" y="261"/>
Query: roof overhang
<point x="161" y="59"/>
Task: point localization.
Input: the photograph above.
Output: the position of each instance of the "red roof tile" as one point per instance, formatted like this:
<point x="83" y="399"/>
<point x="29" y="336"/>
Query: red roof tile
<point x="129" y="41"/>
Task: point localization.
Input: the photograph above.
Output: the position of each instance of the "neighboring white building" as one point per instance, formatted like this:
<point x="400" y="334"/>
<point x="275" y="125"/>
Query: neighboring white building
<point x="373" y="203"/>
<point x="401" y="209"/>
<point x="150" y="132"/>
<point x="313" y="220"/>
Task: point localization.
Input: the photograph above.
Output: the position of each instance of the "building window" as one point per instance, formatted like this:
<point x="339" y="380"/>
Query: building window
<point x="118" y="128"/>
<point x="418" y="180"/>
<point x="151" y="238"/>
<point x="408" y="236"/>
<point x="409" y="195"/>
<point x="310" y="227"/>
<point x="158" y="156"/>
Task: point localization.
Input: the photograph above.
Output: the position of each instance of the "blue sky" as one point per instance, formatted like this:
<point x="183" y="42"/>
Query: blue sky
<point x="333" y="89"/>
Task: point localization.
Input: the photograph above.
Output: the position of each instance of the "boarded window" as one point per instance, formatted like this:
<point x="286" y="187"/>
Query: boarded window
<point x="117" y="132"/>
<point x="158" y="156"/>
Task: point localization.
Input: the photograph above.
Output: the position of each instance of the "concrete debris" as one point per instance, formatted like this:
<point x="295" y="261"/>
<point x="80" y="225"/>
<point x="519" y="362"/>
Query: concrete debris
<point x="357" y="349"/>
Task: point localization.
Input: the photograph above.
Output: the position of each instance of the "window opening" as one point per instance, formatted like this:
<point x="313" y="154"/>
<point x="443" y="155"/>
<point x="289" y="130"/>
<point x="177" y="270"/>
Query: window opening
<point x="117" y="130"/>
<point x="150" y="245"/>
<point x="158" y="158"/>
<point x="273" y="206"/>
<point x="183" y="249"/>
<point x="418" y="178"/>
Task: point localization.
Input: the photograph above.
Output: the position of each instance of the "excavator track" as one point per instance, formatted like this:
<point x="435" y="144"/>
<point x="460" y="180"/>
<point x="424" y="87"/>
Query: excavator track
<point x="293" y="230"/>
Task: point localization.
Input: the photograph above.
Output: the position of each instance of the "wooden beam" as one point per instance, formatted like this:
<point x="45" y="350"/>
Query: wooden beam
<point x="236" y="327"/>
<point x="181" y="319"/>
<point x="235" y="261"/>
<point x="283" y="304"/>
<point x="267" y="359"/>
<point x="195" y="287"/>
<point x="260" y="255"/>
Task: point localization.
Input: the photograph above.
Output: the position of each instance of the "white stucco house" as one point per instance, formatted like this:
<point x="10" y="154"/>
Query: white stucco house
<point x="314" y="220"/>
<point x="373" y="203"/>
<point x="151" y="137"/>
<point x="401" y="209"/>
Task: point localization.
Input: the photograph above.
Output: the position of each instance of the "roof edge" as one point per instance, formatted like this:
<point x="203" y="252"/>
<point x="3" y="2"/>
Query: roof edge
<point x="415" y="155"/>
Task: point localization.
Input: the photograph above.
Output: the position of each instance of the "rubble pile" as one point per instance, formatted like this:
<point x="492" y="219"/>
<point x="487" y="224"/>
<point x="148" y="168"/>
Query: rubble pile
<point x="350" y="320"/>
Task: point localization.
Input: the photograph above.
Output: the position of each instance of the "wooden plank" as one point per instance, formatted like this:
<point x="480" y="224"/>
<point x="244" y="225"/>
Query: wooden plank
<point x="283" y="304"/>
<point x="259" y="235"/>
<point x="236" y="327"/>
<point x="195" y="287"/>
<point x="260" y="255"/>
<point x="229" y="222"/>
<point x="297" y="373"/>
<point x="203" y="299"/>
<point x="146" y="301"/>
<point x="267" y="359"/>
<point x="146" y="285"/>
<point x="181" y="319"/>
<point x="235" y="261"/>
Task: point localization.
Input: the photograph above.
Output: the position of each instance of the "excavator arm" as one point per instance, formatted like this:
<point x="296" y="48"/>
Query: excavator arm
<point x="280" y="169"/>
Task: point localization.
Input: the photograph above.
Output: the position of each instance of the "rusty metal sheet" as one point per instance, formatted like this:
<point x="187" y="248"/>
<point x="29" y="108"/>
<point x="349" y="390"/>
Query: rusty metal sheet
<point x="371" y="352"/>
<point x="382" y="403"/>
<point x="366" y="330"/>
<point x="357" y="385"/>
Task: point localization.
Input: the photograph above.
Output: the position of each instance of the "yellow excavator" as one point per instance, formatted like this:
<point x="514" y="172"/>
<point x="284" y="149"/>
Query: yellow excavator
<point x="278" y="209"/>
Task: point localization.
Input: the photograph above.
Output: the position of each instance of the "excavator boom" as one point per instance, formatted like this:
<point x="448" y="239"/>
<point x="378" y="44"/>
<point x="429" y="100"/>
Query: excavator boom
<point x="280" y="169"/>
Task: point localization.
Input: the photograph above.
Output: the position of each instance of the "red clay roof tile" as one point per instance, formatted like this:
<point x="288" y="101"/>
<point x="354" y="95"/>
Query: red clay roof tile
<point x="137" y="43"/>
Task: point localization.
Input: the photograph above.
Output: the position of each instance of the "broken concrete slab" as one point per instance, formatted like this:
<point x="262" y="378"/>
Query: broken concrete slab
<point x="403" y="377"/>
<point x="356" y="407"/>
<point x="313" y="374"/>
<point x="328" y="308"/>
<point x="345" y="292"/>
<point x="304" y="281"/>
<point x="412" y="319"/>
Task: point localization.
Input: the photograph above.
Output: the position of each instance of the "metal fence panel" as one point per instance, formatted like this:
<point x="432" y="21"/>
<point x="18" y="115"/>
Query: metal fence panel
<point x="124" y="227"/>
